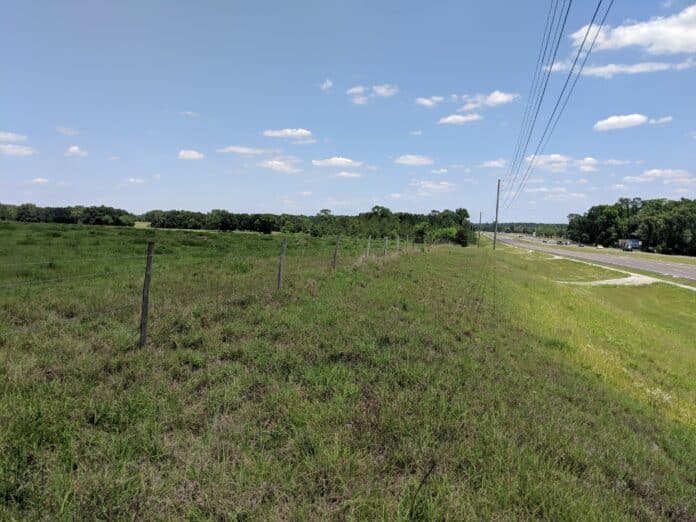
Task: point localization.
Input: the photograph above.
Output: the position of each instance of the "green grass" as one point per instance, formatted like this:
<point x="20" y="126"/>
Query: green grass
<point x="450" y="384"/>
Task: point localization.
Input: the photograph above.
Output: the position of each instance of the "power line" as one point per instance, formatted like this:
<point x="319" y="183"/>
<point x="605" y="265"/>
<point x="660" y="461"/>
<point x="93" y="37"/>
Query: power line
<point x="557" y="37"/>
<point x="553" y="5"/>
<point x="554" y="118"/>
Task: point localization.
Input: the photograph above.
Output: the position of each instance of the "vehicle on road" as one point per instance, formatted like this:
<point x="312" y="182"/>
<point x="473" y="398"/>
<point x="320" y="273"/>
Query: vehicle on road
<point x="628" y="245"/>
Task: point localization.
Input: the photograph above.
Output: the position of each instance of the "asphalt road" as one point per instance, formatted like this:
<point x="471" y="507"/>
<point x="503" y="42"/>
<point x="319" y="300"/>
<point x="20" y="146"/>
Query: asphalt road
<point x="666" y="268"/>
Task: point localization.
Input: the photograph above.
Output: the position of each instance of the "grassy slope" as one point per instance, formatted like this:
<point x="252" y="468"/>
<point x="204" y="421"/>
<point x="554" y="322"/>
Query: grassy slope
<point x="448" y="384"/>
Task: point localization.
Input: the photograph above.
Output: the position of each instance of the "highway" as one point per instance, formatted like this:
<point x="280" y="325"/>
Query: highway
<point x="666" y="268"/>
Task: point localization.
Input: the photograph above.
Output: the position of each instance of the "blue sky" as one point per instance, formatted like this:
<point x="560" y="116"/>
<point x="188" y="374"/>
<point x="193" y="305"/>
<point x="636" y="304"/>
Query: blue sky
<point x="298" y="106"/>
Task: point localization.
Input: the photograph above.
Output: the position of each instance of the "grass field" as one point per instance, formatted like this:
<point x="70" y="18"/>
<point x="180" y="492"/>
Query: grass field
<point x="454" y="383"/>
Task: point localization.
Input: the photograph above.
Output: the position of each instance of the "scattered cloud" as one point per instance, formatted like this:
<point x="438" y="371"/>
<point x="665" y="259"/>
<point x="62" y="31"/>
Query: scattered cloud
<point x="305" y="141"/>
<point x="288" y="133"/>
<point x="618" y="186"/>
<point x="428" y="188"/>
<point x="12" y="137"/>
<point x="495" y="98"/>
<point x="10" y="149"/>
<point x="535" y="190"/>
<point x="625" y="121"/>
<point x="190" y="155"/>
<point x="439" y="171"/>
<point x="360" y="95"/>
<point x="326" y="85"/>
<point x="394" y="195"/>
<point x="431" y="101"/>
<point x="659" y="36"/>
<point x="39" y="181"/>
<point x="113" y="158"/>
<point x="587" y="164"/>
<point x="610" y="70"/>
<point x="287" y="165"/>
<point x="189" y="114"/>
<point x="420" y="133"/>
<point x="459" y="119"/>
<point x="385" y="90"/>
<point x="494" y="164"/>
<point x="336" y="161"/>
<point x="157" y="177"/>
<point x="75" y="151"/>
<point x="561" y="194"/>
<point x="414" y="160"/>
<point x="305" y="193"/>
<point x="245" y="151"/>
<point x="668" y="177"/>
<point x="135" y="181"/>
<point x="348" y="174"/>
<point x="65" y="131"/>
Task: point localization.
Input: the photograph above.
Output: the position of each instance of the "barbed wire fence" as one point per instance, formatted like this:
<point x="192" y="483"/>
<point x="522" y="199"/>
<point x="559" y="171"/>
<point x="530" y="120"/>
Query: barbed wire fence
<point x="333" y="260"/>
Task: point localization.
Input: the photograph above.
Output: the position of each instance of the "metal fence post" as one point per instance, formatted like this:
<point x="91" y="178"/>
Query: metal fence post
<point x="144" y="308"/>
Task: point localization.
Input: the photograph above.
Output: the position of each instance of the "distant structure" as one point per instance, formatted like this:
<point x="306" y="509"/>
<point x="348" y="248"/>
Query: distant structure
<point x="629" y="244"/>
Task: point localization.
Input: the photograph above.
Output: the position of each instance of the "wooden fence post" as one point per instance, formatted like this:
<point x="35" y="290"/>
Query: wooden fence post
<point x="398" y="239"/>
<point x="281" y="262"/>
<point x="369" y="240"/>
<point x="335" y="252"/>
<point x="386" y="245"/>
<point x="145" y="305"/>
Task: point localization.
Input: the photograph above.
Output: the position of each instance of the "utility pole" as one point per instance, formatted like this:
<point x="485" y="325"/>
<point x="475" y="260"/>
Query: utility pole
<point x="497" y="201"/>
<point x="478" y="240"/>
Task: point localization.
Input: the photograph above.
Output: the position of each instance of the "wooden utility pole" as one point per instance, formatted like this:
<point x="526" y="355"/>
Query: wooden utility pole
<point x="144" y="308"/>
<point x="497" y="201"/>
<point x="281" y="262"/>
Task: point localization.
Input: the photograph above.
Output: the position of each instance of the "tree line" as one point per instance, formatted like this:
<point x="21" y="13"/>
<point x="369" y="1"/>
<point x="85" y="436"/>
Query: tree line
<point x="541" y="229"/>
<point x="662" y="225"/>
<point x="446" y="225"/>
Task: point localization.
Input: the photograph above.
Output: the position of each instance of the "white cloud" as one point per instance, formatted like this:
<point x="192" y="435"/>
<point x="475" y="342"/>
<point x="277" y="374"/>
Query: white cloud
<point x="136" y="181"/>
<point x="459" y="119"/>
<point x="493" y="99"/>
<point x="286" y="165"/>
<point x="305" y="193"/>
<point x="587" y="164"/>
<point x="360" y="95"/>
<point x="414" y="160"/>
<point x="326" y="85"/>
<point x="616" y="162"/>
<point x="668" y="176"/>
<point x="420" y="132"/>
<point x="12" y="137"/>
<point x="661" y="35"/>
<point x="427" y="188"/>
<point x="394" y="195"/>
<point x="535" y="190"/>
<point x="245" y="151"/>
<point x="622" y="121"/>
<point x="288" y="133"/>
<point x="562" y="195"/>
<point x="306" y="141"/>
<point x="660" y="121"/>
<point x="189" y="114"/>
<point x="431" y="101"/>
<point x="618" y="186"/>
<point x="494" y="164"/>
<point x="113" y="158"/>
<point x="336" y="161"/>
<point x="385" y="90"/>
<point x="439" y="171"/>
<point x="39" y="181"/>
<point x="65" y="131"/>
<point x="625" y="121"/>
<point x="10" y="149"/>
<point x="157" y="177"/>
<point x="551" y="162"/>
<point x="348" y="174"/>
<point x="75" y="151"/>
<point x="610" y="70"/>
<point x="190" y="155"/>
